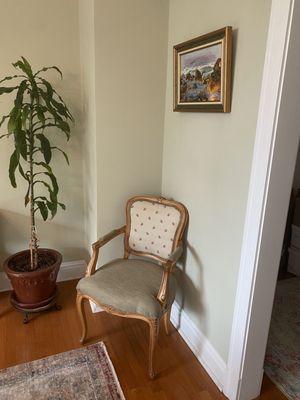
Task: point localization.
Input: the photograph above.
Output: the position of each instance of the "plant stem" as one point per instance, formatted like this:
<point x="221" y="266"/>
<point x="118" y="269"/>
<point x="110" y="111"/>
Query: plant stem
<point x="33" y="237"/>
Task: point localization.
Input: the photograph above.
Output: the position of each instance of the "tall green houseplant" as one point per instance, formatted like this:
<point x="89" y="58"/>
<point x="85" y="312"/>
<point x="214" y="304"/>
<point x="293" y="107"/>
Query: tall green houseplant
<point x="37" y="107"/>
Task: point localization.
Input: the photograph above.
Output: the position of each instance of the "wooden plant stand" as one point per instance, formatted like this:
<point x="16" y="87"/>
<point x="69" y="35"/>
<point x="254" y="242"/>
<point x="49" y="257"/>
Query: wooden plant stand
<point x="28" y="309"/>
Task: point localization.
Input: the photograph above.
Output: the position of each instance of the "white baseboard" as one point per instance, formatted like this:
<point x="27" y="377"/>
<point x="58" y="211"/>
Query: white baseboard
<point x="69" y="270"/>
<point x="204" y="351"/>
<point x="197" y="342"/>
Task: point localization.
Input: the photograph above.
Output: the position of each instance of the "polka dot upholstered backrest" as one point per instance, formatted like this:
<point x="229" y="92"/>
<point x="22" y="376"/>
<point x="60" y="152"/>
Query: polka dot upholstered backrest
<point x="154" y="226"/>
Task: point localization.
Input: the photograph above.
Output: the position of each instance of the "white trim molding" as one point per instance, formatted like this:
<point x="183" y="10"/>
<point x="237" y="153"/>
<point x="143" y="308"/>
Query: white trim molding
<point x="69" y="270"/>
<point x="269" y="192"/>
<point x="204" y="351"/>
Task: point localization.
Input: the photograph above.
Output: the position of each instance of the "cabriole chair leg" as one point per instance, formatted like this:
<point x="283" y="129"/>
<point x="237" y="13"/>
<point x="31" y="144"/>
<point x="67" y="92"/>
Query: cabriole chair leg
<point x="154" y="329"/>
<point x="82" y="317"/>
<point x="166" y="319"/>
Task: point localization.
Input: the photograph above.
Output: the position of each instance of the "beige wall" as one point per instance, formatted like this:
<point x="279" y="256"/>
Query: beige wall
<point x="46" y="32"/>
<point x="89" y="132"/>
<point x="130" y="43"/>
<point x="207" y="159"/>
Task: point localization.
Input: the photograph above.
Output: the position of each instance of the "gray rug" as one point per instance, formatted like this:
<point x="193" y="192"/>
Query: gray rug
<point x="83" y="374"/>
<point x="282" y="362"/>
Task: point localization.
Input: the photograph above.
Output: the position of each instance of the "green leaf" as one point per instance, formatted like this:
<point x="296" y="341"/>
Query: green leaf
<point x="42" y="164"/>
<point x="13" y="163"/>
<point x="34" y="92"/>
<point x="15" y="126"/>
<point x="8" y="78"/>
<point x="3" y="119"/>
<point x="20" y="140"/>
<point x="62" y="206"/>
<point x="22" y="172"/>
<point x="24" y="66"/>
<point x="70" y="116"/>
<point x="52" y="191"/>
<point x="54" y="183"/>
<point x="7" y="89"/>
<point x="6" y="134"/>
<point x="52" y="207"/>
<point x="20" y="94"/>
<point x="43" y="209"/>
<point x="49" y="89"/>
<point x="64" y="126"/>
<point x="61" y="109"/>
<point x="52" y="204"/>
<point x="26" y="63"/>
<point x="47" y="68"/>
<point x="41" y="197"/>
<point x="27" y="198"/>
<point x="25" y="114"/>
<point x="13" y="120"/>
<point x="42" y="108"/>
<point x="64" y="154"/>
<point x="45" y="147"/>
<point x="53" y="197"/>
<point x="40" y="115"/>
<point x="50" y="109"/>
<point x="47" y="186"/>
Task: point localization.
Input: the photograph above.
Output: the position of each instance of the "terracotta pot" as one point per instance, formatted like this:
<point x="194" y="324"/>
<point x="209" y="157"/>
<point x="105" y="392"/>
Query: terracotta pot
<point x="33" y="288"/>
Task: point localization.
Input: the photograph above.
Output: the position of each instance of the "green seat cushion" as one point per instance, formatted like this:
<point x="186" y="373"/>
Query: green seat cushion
<point x="129" y="286"/>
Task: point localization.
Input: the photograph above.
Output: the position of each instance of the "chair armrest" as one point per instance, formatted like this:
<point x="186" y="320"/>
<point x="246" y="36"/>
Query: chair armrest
<point x="108" y="237"/>
<point x="168" y="266"/>
<point x="175" y="255"/>
<point x="96" y="247"/>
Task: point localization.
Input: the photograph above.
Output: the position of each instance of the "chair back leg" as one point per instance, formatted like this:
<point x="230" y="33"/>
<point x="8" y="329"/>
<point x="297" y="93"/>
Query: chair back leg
<point x="82" y="317"/>
<point x="154" y="330"/>
<point x="166" y="319"/>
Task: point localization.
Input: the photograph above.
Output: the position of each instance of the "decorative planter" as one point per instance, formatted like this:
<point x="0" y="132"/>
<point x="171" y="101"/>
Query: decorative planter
<point x="33" y="291"/>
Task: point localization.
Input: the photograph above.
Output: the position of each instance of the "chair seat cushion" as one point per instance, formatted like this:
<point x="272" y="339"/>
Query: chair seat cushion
<point x="129" y="286"/>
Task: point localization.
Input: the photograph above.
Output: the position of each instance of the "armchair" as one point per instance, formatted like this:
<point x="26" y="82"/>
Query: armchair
<point x="138" y="288"/>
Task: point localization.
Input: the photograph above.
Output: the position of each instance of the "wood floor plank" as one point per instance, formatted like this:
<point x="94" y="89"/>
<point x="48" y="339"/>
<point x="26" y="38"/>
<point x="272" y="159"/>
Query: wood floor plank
<point x="180" y="376"/>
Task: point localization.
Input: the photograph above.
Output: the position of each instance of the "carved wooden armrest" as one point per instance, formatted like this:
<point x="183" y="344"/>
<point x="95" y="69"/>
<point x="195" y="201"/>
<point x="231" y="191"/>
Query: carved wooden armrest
<point x="168" y="266"/>
<point x="96" y="247"/>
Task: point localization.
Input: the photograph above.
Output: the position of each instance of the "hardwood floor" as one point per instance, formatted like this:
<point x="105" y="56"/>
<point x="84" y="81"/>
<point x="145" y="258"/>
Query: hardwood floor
<point x="180" y="376"/>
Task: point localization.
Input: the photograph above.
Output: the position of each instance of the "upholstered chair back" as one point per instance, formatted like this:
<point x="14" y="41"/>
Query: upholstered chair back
<point x="154" y="226"/>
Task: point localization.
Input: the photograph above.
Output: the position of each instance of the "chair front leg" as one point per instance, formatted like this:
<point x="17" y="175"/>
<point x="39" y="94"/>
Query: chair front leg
<point x="82" y="316"/>
<point x="154" y="330"/>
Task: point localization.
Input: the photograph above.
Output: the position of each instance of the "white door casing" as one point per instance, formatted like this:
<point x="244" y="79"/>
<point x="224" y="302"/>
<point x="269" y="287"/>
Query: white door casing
<point x="275" y="152"/>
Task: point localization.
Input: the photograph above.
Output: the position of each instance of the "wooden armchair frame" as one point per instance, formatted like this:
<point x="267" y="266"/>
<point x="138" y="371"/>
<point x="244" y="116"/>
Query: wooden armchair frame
<point x="167" y="264"/>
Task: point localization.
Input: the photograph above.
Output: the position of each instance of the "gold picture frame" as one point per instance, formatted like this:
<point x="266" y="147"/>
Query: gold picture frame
<point x="202" y="73"/>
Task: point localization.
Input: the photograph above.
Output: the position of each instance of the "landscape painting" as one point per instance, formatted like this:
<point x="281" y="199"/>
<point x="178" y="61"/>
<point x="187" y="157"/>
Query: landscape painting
<point x="202" y="73"/>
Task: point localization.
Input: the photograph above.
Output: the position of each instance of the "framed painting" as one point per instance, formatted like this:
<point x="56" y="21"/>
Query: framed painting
<point x="202" y="73"/>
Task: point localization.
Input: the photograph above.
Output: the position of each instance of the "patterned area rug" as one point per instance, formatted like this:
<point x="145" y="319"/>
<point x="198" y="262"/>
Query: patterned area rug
<point x="82" y="374"/>
<point x="282" y="363"/>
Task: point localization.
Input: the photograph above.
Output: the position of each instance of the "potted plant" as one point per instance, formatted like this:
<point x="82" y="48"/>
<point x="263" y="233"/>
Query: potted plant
<point x="37" y="109"/>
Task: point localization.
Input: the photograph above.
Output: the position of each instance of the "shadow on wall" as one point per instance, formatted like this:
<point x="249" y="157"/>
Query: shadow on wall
<point x="15" y="230"/>
<point x="193" y="301"/>
<point x="235" y="37"/>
